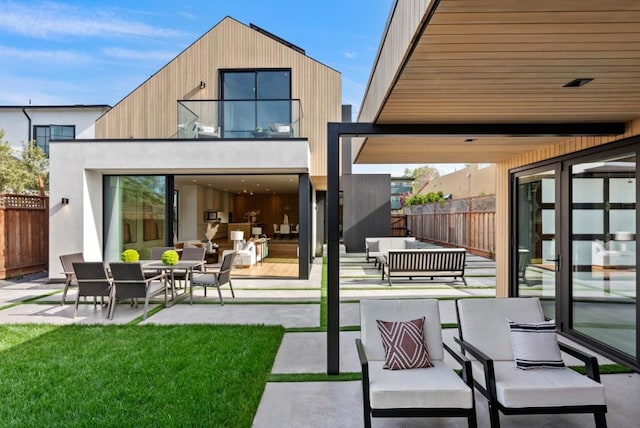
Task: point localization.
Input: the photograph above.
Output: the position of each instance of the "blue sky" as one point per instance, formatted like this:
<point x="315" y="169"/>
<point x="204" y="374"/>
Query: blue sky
<point x="96" y="52"/>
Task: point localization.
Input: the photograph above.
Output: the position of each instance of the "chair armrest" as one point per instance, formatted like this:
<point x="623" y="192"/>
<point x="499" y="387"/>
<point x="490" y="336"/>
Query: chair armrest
<point x="591" y="362"/>
<point x="487" y="364"/>
<point x="362" y="355"/>
<point x="154" y="278"/>
<point x="477" y="354"/>
<point x="467" y="372"/>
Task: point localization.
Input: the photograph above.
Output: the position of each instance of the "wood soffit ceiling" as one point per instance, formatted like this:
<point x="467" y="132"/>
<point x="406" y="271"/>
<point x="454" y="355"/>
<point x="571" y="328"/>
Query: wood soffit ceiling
<point x="506" y="61"/>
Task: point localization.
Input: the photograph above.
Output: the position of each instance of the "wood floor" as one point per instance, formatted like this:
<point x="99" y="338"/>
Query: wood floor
<point x="272" y="267"/>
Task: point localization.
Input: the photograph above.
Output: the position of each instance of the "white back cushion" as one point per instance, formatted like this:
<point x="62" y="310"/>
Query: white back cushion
<point x="399" y="310"/>
<point x="483" y="322"/>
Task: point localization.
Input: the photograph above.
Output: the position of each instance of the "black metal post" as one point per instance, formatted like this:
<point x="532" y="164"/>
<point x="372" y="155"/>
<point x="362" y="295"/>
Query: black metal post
<point x="333" y="249"/>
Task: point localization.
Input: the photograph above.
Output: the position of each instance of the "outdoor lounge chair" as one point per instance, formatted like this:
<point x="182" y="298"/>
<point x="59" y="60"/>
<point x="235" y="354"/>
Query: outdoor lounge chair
<point x="497" y="347"/>
<point x="214" y="279"/>
<point x="130" y="283"/>
<point x="415" y="392"/>
<point x="93" y="280"/>
<point x="67" y="261"/>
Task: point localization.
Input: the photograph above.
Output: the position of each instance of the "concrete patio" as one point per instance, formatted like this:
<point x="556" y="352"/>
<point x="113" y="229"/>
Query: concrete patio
<point x="296" y="304"/>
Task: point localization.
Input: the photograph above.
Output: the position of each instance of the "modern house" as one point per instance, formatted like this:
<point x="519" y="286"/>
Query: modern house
<point x="22" y="124"/>
<point x="548" y="91"/>
<point x="233" y="131"/>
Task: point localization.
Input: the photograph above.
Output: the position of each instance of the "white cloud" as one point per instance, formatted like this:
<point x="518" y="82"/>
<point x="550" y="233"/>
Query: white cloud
<point x="138" y="54"/>
<point x="62" y="56"/>
<point x="47" y="19"/>
<point x="350" y="55"/>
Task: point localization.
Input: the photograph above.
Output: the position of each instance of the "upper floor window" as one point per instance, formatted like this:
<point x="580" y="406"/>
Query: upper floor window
<point x="44" y="133"/>
<point x="257" y="103"/>
<point x="256" y="85"/>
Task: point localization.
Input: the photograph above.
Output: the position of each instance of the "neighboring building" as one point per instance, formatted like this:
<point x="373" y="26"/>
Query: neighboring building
<point x="44" y="123"/>
<point x="474" y="180"/>
<point x="399" y="187"/>
<point x="551" y="102"/>
<point x="233" y="129"/>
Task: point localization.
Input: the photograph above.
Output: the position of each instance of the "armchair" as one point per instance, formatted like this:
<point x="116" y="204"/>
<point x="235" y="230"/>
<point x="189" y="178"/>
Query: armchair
<point x="93" y="281"/>
<point x="513" y="364"/>
<point x="130" y="283"/>
<point x="280" y="130"/>
<point x="206" y="131"/>
<point x="416" y="392"/>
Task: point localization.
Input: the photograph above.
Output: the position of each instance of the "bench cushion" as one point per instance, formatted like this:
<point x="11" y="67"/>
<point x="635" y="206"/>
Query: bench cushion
<point x="542" y="387"/>
<point x="410" y="245"/>
<point x="434" y="387"/>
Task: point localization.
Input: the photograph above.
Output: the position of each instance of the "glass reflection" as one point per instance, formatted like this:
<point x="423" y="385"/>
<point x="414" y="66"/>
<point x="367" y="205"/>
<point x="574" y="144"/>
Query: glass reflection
<point x="536" y="238"/>
<point x="603" y="285"/>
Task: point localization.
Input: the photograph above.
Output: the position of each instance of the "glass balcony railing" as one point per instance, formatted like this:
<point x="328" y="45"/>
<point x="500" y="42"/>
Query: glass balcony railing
<point x="245" y="119"/>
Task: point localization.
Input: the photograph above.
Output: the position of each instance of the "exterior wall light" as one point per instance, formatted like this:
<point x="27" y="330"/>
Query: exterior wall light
<point x="65" y="201"/>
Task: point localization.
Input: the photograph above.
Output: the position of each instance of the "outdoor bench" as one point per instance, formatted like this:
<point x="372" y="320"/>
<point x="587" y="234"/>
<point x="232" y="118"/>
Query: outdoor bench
<point x="444" y="262"/>
<point x="376" y="247"/>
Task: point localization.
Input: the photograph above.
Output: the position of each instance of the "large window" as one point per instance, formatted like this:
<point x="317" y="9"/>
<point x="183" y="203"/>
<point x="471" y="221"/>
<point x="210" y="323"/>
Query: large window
<point x="135" y="211"/>
<point x="44" y="133"/>
<point x="255" y="101"/>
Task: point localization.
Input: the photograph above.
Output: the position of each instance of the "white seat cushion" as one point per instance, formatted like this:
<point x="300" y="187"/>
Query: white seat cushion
<point x="434" y="387"/>
<point x="541" y="387"/>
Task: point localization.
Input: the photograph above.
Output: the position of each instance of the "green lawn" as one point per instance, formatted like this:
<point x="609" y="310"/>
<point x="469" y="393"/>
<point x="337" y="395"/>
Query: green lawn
<point x="126" y="376"/>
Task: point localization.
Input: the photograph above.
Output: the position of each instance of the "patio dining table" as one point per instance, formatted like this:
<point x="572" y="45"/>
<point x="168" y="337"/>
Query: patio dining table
<point x="188" y="265"/>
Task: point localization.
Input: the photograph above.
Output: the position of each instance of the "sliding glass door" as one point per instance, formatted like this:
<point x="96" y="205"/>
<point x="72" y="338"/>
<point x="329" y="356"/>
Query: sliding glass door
<point x="536" y="246"/>
<point x="134" y="214"/>
<point x="574" y="225"/>
<point x="603" y="241"/>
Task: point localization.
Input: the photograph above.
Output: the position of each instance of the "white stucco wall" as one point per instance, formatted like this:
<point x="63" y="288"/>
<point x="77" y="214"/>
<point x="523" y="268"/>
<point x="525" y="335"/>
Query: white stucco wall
<point x="16" y="125"/>
<point x="77" y="169"/>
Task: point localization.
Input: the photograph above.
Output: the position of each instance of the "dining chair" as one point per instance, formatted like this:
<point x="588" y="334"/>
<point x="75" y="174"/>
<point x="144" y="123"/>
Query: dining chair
<point x="130" y="282"/>
<point x="189" y="253"/>
<point x="215" y="279"/>
<point x="67" y="261"/>
<point x="93" y="280"/>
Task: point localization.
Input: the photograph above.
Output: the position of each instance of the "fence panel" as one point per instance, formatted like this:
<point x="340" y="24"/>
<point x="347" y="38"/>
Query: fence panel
<point x="24" y="234"/>
<point x="466" y="223"/>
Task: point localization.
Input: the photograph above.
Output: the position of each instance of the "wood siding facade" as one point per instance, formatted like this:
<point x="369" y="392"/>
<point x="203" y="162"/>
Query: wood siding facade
<point x="150" y="111"/>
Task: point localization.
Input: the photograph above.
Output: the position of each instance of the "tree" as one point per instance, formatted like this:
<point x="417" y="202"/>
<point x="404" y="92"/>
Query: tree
<point x="421" y="176"/>
<point x="22" y="174"/>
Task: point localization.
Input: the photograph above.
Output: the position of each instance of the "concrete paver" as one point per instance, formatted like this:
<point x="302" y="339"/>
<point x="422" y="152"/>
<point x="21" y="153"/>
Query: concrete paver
<point x="295" y="303"/>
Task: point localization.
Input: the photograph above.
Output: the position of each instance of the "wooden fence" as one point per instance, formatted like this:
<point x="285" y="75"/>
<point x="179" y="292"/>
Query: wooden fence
<point x="398" y="225"/>
<point x="24" y="234"/>
<point x="467" y="223"/>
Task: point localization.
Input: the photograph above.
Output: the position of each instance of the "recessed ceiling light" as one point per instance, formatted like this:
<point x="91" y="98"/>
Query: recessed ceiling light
<point x="195" y="181"/>
<point x="209" y="184"/>
<point x="242" y="179"/>
<point x="576" y="83"/>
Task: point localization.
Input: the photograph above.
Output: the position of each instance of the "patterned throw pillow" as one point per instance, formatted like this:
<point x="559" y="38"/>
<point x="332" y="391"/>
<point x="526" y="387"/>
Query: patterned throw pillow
<point x="535" y="345"/>
<point x="411" y="245"/>
<point x="374" y="246"/>
<point x="403" y="343"/>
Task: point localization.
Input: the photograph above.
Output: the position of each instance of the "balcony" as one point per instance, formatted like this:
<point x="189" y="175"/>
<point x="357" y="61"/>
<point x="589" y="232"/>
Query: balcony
<point x="241" y="119"/>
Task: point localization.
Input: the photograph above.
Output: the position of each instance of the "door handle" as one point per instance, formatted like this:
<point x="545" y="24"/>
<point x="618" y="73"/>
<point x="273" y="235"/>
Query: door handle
<point x="556" y="261"/>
